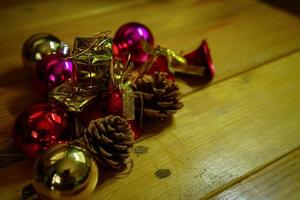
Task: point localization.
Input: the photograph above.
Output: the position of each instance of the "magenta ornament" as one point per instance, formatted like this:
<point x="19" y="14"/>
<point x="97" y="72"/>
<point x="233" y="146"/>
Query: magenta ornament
<point x="52" y="71"/>
<point x="127" y="41"/>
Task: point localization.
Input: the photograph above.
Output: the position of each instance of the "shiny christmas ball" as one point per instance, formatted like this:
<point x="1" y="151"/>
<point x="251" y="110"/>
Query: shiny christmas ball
<point x="128" y="41"/>
<point x="52" y="71"/>
<point x="40" y="126"/>
<point x="37" y="46"/>
<point x="65" y="172"/>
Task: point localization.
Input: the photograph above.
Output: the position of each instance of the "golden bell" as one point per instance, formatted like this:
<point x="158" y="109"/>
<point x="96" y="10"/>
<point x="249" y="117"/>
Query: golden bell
<point x="37" y="46"/>
<point x="65" y="172"/>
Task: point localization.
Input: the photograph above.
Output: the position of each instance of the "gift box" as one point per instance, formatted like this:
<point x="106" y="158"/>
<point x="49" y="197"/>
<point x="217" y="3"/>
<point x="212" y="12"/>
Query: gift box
<point x="92" y="58"/>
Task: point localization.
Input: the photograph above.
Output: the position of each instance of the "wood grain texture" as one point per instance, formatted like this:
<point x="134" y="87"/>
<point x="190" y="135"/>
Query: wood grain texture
<point x="275" y="182"/>
<point x="44" y="13"/>
<point x="14" y="179"/>
<point x="241" y="35"/>
<point x="245" y="120"/>
<point x="224" y="132"/>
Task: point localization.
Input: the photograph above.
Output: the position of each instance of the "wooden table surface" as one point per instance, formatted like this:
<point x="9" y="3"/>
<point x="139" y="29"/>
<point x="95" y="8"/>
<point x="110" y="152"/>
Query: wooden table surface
<point x="236" y="138"/>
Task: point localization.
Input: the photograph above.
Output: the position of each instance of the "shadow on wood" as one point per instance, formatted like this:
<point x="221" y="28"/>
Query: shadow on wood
<point x="292" y="6"/>
<point x="151" y="127"/>
<point x="194" y="81"/>
<point x="17" y="77"/>
<point x="18" y="90"/>
<point x="9" y="153"/>
<point x="17" y="93"/>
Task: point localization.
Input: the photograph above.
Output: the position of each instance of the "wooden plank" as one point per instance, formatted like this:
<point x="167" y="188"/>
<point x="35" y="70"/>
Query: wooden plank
<point x="15" y="83"/>
<point x="277" y="181"/>
<point x="12" y="41"/>
<point x="207" y="19"/>
<point x="24" y="15"/>
<point x="223" y="133"/>
<point x="164" y="25"/>
<point x="17" y="177"/>
<point x="241" y="34"/>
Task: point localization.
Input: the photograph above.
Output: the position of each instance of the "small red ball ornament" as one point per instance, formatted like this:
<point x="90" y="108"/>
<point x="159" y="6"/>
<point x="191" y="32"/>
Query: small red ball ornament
<point x="40" y="126"/>
<point x="127" y="41"/>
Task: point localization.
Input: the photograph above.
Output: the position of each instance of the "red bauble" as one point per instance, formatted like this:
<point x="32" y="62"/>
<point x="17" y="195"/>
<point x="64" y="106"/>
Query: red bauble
<point x="128" y="41"/>
<point x="40" y="126"/>
<point x="52" y="71"/>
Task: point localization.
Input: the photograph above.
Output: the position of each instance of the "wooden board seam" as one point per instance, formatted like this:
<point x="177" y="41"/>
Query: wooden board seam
<point x="242" y="72"/>
<point x="223" y="80"/>
<point x="236" y="181"/>
<point x="144" y="137"/>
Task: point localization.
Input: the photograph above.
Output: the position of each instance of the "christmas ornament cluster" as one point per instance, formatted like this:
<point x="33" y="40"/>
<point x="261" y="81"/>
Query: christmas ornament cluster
<point x="99" y="93"/>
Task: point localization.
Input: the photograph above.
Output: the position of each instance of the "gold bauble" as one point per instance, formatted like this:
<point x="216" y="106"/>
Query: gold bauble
<point x="65" y="172"/>
<point x="37" y="46"/>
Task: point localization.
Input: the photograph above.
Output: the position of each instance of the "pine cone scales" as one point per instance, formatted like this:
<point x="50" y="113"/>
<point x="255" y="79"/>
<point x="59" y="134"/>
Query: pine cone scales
<point x="110" y="139"/>
<point x="161" y="96"/>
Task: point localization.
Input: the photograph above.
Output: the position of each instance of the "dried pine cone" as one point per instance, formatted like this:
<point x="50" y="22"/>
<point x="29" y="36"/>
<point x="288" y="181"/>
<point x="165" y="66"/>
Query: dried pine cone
<point x="160" y="96"/>
<point x="110" y="140"/>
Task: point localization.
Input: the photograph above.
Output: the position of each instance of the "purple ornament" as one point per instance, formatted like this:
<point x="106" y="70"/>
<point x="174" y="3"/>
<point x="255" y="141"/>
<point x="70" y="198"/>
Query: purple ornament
<point x="127" y="40"/>
<point x="52" y="71"/>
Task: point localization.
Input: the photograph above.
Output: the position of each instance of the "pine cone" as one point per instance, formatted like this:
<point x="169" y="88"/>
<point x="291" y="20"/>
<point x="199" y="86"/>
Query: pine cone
<point x="160" y="96"/>
<point x="110" y="140"/>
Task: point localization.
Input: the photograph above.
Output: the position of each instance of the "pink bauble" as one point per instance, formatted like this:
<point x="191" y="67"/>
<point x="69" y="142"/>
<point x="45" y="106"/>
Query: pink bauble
<point x="127" y="41"/>
<point x="40" y="126"/>
<point x="52" y="71"/>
